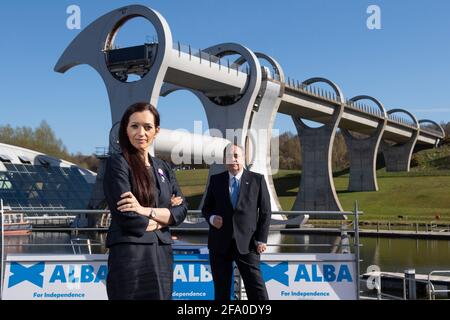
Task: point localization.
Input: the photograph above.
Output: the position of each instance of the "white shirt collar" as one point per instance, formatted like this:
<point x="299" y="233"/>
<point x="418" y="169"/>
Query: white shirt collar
<point x="238" y="176"/>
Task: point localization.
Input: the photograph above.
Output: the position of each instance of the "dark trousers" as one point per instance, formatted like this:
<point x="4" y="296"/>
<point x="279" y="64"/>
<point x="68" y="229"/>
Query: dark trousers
<point x="248" y="265"/>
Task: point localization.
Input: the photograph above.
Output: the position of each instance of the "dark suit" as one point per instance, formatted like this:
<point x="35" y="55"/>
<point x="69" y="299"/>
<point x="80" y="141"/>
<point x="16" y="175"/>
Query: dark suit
<point x="242" y="228"/>
<point x="133" y="250"/>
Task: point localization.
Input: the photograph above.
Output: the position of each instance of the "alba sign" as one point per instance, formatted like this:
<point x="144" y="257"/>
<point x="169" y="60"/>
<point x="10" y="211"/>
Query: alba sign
<point x="55" y="277"/>
<point x="83" y="277"/>
<point x="310" y="276"/>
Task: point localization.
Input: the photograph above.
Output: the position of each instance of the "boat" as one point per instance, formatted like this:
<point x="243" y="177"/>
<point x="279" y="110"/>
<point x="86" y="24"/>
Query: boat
<point x="15" y="225"/>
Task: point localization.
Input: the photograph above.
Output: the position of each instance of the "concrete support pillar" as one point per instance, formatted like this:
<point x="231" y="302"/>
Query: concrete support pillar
<point x="363" y="153"/>
<point x="260" y="134"/>
<point x="398" y="157"/>
<point x="317" y="191"/>
<point x="261" y="124"/>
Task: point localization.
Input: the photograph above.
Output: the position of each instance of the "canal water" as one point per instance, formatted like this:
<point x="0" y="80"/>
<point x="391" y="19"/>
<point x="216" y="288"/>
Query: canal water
<point x="389" y="254"/>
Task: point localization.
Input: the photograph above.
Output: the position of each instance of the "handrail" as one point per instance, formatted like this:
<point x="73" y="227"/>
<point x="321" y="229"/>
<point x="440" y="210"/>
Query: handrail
<point x="380" y="294"/>
<point x="193" y="212"/>
<point x="431" y="291"/>
<point x="77" y="211"/>
<point x="77" y="229"/>
<point x="358" y="260"/>
<point x="74" y="243"/>
<point x="429" y="282"/>
<point x="191" y="225"/>
<point x="208" y="58"/>
<point x="288" y="245"/>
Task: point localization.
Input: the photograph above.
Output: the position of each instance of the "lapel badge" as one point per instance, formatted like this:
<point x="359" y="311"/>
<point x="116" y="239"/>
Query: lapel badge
<point x="161" y="174"/>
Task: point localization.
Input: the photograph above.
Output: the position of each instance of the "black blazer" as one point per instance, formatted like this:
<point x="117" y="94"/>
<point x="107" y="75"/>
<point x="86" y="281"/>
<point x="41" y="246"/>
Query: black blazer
<point x="248" y="223"/>
<point x="129" y="227"/>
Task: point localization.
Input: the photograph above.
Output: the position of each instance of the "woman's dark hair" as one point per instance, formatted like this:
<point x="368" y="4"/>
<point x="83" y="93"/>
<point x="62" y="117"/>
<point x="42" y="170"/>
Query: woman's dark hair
<point x="142" y="183"/>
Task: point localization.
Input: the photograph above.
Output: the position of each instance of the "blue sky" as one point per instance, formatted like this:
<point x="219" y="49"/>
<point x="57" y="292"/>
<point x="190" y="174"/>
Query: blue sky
<point x="405" y="64"/>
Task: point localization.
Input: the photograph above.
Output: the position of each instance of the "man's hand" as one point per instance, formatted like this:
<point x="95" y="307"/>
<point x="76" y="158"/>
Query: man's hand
<point x="217" y="222"/>
<point x="261" y="247"/>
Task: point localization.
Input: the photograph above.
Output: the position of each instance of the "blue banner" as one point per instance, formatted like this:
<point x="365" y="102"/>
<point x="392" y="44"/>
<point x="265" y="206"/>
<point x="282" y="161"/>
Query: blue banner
<point x="192" y="278"/>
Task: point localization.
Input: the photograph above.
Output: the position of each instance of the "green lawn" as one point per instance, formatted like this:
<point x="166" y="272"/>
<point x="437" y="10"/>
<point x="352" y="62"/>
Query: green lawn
<point x="192" y="184"/>
<point x="414" y="197"/>
<point x="417" y="195"/>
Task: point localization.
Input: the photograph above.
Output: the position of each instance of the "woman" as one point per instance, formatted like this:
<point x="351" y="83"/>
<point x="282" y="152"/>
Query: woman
<point x="144" y="198"/>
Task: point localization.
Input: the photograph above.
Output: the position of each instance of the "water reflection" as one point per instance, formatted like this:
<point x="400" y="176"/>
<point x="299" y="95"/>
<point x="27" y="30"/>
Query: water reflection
<point x="396" y="255"/>
<point x="52" y="243"/>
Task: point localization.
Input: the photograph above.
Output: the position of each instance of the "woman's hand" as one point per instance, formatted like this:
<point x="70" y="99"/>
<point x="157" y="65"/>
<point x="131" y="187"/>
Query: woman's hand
<point x="175" y="201"/>
<point x="130" y="203"/>
<point x="153" y="225"/>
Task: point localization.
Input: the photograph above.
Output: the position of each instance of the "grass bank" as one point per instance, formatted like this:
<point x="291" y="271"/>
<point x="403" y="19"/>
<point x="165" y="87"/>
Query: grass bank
<point x="419" y="195"/>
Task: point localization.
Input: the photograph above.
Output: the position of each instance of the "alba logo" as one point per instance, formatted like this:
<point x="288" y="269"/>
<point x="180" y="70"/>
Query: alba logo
<point x="60" y="273"/>
<point x="278" y="272"/>
<point x="20" y="273"/>
<point x="307" y="273"/>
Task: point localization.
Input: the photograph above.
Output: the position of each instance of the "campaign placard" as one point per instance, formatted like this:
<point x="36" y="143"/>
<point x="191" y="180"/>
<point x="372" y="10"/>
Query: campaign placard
<point x="310" y="276"/>
<point x="83" y="277"/>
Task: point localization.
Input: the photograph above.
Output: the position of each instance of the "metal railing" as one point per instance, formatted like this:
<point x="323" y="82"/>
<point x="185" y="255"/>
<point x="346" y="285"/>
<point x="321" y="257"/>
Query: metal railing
<point x="412" y="227"/>
<point x="219" y="62"/>
<point x="381" y="295"/>
<point x="409" y="285"/>
<point x="431" y="289"/>
<point x="77" y="243"/>
<point x="102" y="151"/>
<point x="431" y="131"/>
<point x="324" y="94"/>
<point x="311" y="90"/>
<point x="204" y="57"/>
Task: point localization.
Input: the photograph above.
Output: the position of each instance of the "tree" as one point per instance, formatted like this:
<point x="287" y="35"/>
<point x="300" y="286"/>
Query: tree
<point x="289" y="151"/>
<point x="43" y="140"/>
<point x="291" y="157"/>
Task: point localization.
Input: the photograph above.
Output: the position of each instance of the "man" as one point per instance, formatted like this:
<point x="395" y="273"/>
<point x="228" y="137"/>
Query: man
<point x="237" y="207"/>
